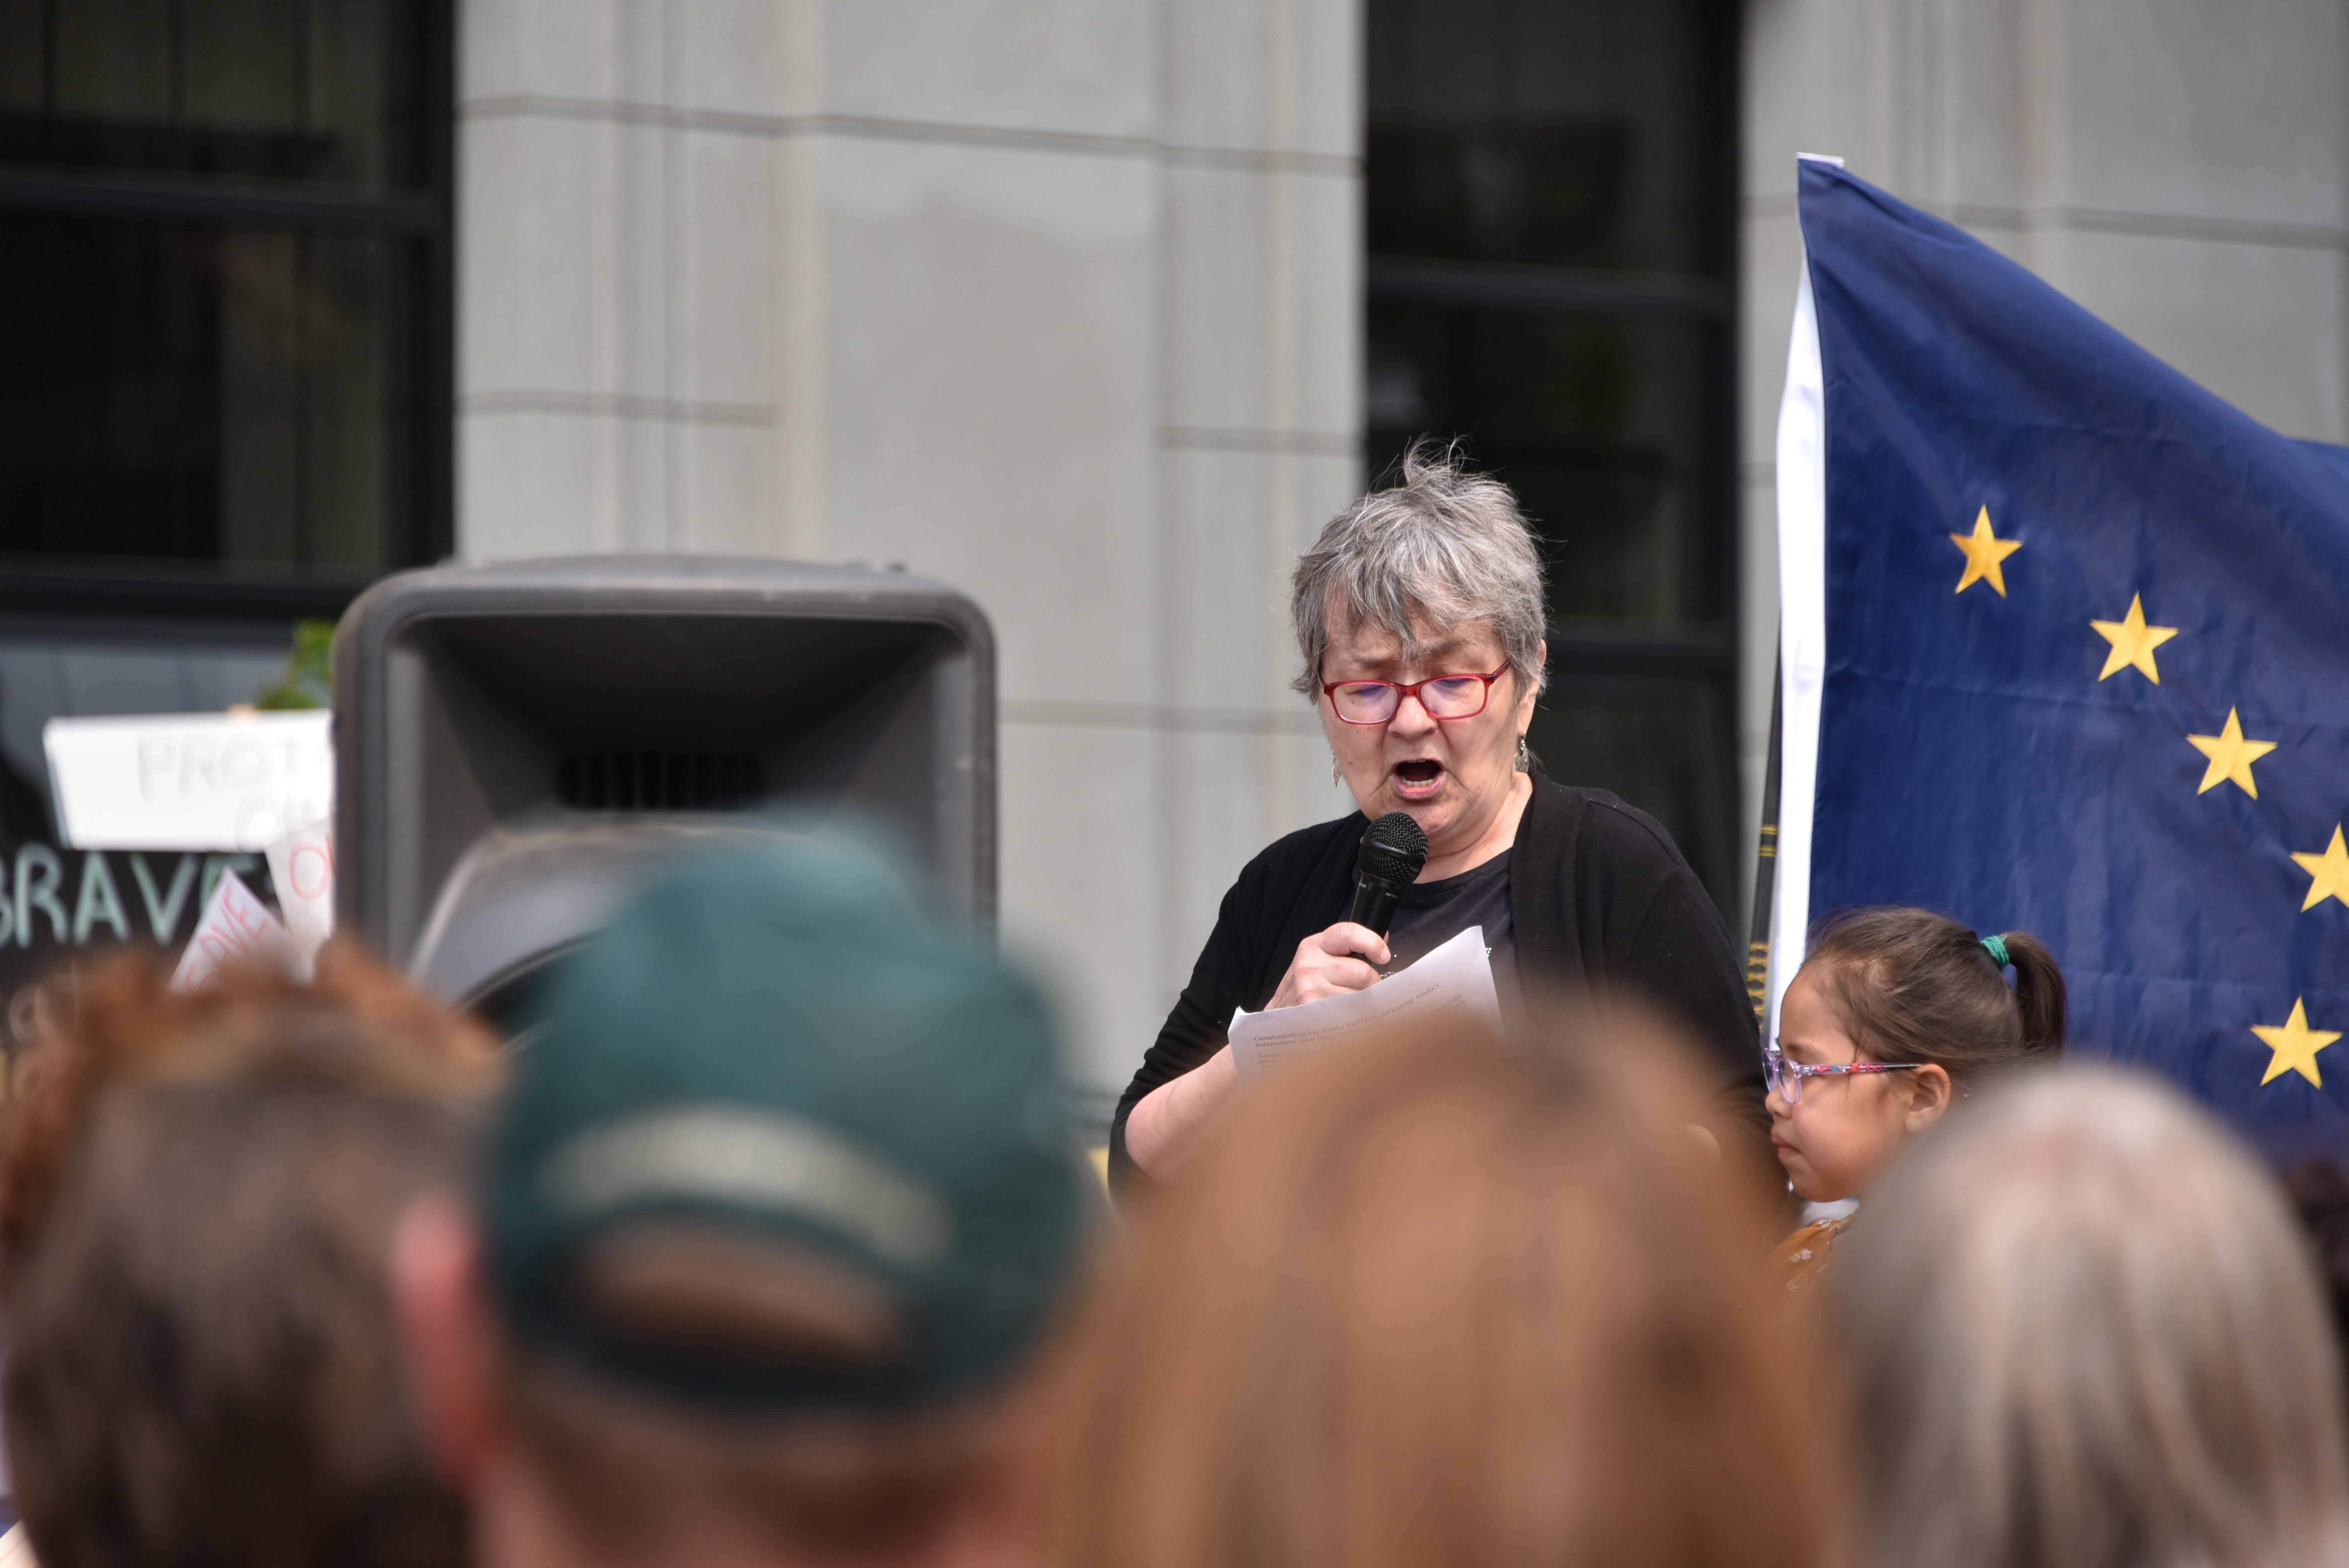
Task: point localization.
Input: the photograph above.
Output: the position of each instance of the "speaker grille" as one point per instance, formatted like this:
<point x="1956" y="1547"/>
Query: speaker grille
<point x="659" y="781"/>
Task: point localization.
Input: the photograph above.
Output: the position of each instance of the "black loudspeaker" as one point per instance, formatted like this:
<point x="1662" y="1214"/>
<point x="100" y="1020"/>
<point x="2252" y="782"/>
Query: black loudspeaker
<point x="517" y="746"/>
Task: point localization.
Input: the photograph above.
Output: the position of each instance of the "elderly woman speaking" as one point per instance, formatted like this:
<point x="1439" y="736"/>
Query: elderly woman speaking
<point x="1419" y="615"/>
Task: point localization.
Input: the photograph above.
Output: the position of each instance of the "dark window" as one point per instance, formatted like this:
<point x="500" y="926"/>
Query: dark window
<point x="1550" y="216"/>
<point x="224" y="301"/>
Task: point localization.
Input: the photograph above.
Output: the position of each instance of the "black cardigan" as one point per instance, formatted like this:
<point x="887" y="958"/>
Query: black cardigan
<point x="1598" y="891"/>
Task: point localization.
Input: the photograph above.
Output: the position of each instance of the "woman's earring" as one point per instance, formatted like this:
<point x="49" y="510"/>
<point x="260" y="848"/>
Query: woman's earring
<point x="1335" y="776"/>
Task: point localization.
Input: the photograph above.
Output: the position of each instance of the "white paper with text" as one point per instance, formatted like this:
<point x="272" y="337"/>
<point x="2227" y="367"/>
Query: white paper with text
<point x="237" y="928"/>
<point x="1457" y="977"/>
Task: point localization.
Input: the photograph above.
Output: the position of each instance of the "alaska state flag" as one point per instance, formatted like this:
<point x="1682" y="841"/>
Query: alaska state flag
<point x="2066" y="651"/>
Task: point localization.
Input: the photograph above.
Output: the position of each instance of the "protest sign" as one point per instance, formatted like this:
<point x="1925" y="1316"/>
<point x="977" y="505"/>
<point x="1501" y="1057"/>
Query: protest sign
<point x="237" y="928"/>
<point x="190" y="781"/>
<point x="302" y="868"/>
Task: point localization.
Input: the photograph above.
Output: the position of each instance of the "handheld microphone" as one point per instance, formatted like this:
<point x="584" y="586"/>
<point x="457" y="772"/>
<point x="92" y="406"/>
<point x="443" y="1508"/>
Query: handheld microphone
<point x="1393" y="851"/>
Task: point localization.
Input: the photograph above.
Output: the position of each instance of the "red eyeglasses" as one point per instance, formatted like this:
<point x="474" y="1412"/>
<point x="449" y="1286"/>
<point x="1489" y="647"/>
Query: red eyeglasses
<point x="1444" y="697"/>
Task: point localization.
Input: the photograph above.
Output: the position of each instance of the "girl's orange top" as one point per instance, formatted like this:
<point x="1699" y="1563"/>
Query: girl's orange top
<point x="1803" y="1256"/>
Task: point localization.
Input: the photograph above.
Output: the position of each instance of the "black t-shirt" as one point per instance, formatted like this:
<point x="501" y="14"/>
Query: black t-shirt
<point x="1597" y="895"/>
<point x="1431" y="914"/>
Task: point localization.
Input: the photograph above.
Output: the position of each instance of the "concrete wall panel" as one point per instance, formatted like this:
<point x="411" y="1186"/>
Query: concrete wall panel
<point x="991" y="354"/>
<point x="1068" y="67"/>
<point x="719" y="336"/>
<point x="540" y="483"/>
<point x="2231" y="113"/>
<point x="537" y="231"/>
<point x="1262" y="306"/>
<point x="547" y="48"/>
<point x="1281" y="76"/>
<point x="1082" y="854"/>
<point x="2240" y="319"/>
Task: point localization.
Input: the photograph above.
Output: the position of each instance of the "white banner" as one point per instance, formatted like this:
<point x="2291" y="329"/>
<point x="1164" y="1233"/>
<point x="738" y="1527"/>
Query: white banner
<point x="1802" y="633"/>
<point x="190" y="780"/>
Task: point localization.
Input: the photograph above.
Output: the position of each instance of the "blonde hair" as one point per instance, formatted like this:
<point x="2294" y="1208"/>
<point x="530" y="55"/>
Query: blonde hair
<point x="1443" y="1300"/>
<point x="2086" y="1333"/>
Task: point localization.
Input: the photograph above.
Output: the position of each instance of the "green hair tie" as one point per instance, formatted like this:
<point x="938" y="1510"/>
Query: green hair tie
<point x="1996" y="948"/>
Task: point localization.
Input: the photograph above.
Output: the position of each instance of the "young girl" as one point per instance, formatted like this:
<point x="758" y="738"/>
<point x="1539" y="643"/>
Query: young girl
<point x="1896" y="1012"/>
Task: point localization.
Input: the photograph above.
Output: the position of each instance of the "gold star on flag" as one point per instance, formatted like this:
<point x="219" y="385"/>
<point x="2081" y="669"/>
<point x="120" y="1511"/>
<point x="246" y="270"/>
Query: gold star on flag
<point x="2133" y="642"/>
<point x="2295" y="1044"/>
<point x="2328" y="873"/>
<point x="1985" y="550"/>
<point x="2230" y="756"/>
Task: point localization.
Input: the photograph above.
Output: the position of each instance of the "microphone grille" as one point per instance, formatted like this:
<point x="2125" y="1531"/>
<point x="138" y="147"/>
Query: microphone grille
<point x="1393" y="847"/>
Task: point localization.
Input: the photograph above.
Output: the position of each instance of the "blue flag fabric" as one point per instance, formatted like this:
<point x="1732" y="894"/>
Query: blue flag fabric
<point x="2086" y="665"/>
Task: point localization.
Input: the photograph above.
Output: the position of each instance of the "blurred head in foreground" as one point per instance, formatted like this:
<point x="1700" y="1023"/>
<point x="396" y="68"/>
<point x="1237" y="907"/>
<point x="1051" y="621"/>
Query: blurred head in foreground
<point x="197" y="1196"/>
<point x="783" y="1194"/>
<point x="2083" y="1332"/>
<point x="1443" y="1300"/>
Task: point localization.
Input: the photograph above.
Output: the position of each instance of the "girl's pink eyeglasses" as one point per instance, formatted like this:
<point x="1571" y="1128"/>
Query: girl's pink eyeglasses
<point x="1787" y="1076"/>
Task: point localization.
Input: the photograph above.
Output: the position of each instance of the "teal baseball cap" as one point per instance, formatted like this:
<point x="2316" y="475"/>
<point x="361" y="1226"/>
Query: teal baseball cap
<point x="778" y="1141"/>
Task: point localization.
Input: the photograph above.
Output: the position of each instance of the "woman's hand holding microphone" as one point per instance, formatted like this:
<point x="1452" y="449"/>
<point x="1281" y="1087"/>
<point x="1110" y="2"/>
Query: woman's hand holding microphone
<point x="1166" y="1121"/>
<point x="1342" y="958"/>
<point x="1345" y="957"/>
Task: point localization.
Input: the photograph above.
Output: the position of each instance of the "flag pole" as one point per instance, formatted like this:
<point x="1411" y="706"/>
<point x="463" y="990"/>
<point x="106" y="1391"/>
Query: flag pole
<point x="1765" y="861"/>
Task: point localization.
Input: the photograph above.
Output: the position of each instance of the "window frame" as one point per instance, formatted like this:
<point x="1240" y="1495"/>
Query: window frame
<point x="423" y="214"/>
<point x="1707" y="649"/>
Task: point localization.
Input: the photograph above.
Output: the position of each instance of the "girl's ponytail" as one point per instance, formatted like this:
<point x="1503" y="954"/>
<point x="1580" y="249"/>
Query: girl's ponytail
<point x="2039" y="995"/>
<point x="1914" y="986"/>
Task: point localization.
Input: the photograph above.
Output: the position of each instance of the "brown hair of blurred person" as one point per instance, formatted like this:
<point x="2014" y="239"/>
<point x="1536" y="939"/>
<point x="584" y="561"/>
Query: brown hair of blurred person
<point x="643" y="1481"/>
<point x="2083" y="1333"/>
<point x="197" y="1196"/>
<point x="1443" y="1300"/>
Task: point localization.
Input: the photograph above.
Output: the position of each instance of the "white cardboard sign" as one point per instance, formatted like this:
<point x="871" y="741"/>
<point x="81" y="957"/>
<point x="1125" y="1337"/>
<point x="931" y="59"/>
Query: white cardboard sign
<point x="236" y="928"/>
<point x="302" y="867"/>
<point x="190" y="780"/>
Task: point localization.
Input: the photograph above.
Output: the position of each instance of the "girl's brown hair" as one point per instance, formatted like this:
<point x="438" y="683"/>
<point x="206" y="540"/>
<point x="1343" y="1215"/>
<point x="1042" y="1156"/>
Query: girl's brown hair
<point x="1446" y="1300"/>
<point x="1910" y="985"/>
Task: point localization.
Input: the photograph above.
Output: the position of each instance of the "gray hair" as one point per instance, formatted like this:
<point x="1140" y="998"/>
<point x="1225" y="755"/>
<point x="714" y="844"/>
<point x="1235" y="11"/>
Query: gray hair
<point x="1446" y="547"/>
<point x="2085" y="1332"/>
